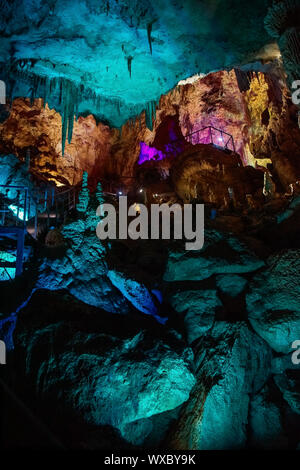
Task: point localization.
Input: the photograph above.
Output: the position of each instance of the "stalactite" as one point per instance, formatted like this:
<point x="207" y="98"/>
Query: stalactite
<point x="150" y="114"/>
<point x="129" y="61"/>
<point x="69" y="106"/>
<point x="149" y="30"/>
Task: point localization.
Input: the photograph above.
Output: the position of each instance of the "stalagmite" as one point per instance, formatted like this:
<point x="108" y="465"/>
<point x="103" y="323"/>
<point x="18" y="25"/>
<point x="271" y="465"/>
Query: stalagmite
<point x="84" y="195"/>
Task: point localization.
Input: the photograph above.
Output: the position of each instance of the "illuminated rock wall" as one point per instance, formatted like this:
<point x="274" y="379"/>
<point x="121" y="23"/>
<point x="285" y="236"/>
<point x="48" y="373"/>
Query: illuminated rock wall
<point x="261" y="119"/>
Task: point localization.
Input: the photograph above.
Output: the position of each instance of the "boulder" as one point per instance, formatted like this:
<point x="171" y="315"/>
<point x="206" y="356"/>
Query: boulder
<point x="273" y="301"/>
<point x="101" y="370"/>
<point x="134" y="291"/>
<point x="221" y="254"/>
<point x="232" y="363"/>
<point x="198" y="308"/>
<point x="81" y="269"/>
<point x="231" y="285"/>
<point x="266" y="420"/>
<point x="289" y="385"/>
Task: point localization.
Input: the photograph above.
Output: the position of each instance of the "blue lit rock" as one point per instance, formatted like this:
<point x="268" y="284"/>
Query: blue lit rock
<point x="231" y="284"/>
<point x="150" y="432"/>
<point x="99" y="51"/>
<point x="232" y="363"/>
<point x="266" y="421"/>
<point x="108" y="380"/>
<point x="289" y="385"/>
<point x="7" y="326"/>
<point x="82" y="269"/>
<point x="198" y="308"/>
<point x="221" y="254"/>
<point x="282" y="363"/>
<point x="136" y="292"/>
<point x="273" y="301"/>
<point x="13" y="173"/>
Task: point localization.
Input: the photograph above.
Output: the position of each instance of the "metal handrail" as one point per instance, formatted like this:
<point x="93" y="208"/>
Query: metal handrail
<point x="220" y="131"/>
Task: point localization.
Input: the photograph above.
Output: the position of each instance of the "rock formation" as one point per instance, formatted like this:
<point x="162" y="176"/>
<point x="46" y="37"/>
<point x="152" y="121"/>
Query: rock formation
<point x="261" y="120"/>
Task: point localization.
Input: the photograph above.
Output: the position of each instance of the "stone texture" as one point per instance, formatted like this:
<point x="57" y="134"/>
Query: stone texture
<point x="38" y="129"/>
<point x="198" y="309"/>
<point x="266" y="421"/>
<point x="261" y="119"/>
<point x="105" y="371"/>
<point x="232" y="363"/>
<point x="273" y="301"/>
<point x="207" y="174"/>
<point x="221" y="254"/>
<point x="81" y="268"/>
<point x="289" y="385"/>
<point x="99" y="51"/>
<point x="231" y="284"/>
<point x="135" y="291"/>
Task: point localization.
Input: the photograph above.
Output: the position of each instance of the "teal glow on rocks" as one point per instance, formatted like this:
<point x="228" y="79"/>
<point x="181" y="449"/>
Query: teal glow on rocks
<point x="115" y="59"/>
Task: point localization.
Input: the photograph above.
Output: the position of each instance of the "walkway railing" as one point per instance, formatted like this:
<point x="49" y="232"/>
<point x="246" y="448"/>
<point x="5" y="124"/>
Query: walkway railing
<point x="21" y="210"/>
<point x="205" y="135"/>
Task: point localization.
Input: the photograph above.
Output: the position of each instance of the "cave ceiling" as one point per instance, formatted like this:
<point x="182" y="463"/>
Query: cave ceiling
<point x="115" y="58"/>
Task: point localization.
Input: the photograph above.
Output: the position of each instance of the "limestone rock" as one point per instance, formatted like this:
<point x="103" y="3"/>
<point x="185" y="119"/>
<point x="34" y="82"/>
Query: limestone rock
<point x="211" y="175"/>
<point x="289" y="384"/>
<point x="198" y="308"/>
<point x="273" y="301"/>
<point x="82" y="269"/>
<point x="221" y="254"/>
<point x="150" y="432"/>
<point x="136" y="292"/>
<point x="231" y="284"/>
<point x="266" y="421"/>
<point x="262" y="121"/>
<point x="106" y="371"/>
<point x="232" y="363"/>
<point x="112" y="82"/>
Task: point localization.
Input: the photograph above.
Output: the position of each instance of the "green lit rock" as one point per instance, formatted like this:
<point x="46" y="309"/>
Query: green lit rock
<point x="114" y="59"/>
<point x="81" y="268"/>
<point x="266" y="421"/>
<point x="221" y="254"/>
<point x="136" y="292"/>
<point x="198" y="308"/>
<point x="84" y="194"/>
<point x="289" y="385"/>
<point x="150" y="432"/>
<point x="232" y="363"/>
<point x="273" y="301"/>
<point x="231" y="284"/>
<point x="104" y="378"/>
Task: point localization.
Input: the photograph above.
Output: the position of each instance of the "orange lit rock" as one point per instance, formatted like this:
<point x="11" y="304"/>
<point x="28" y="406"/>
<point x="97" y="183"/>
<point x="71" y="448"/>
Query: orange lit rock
<point x="38" y="129"/>
<point x="210" y="175"/>
<point x="262" y="121"/>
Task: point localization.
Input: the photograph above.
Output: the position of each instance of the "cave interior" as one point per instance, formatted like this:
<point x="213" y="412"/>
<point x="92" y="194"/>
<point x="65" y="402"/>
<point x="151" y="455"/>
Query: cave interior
<point x="132" y="343"/>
